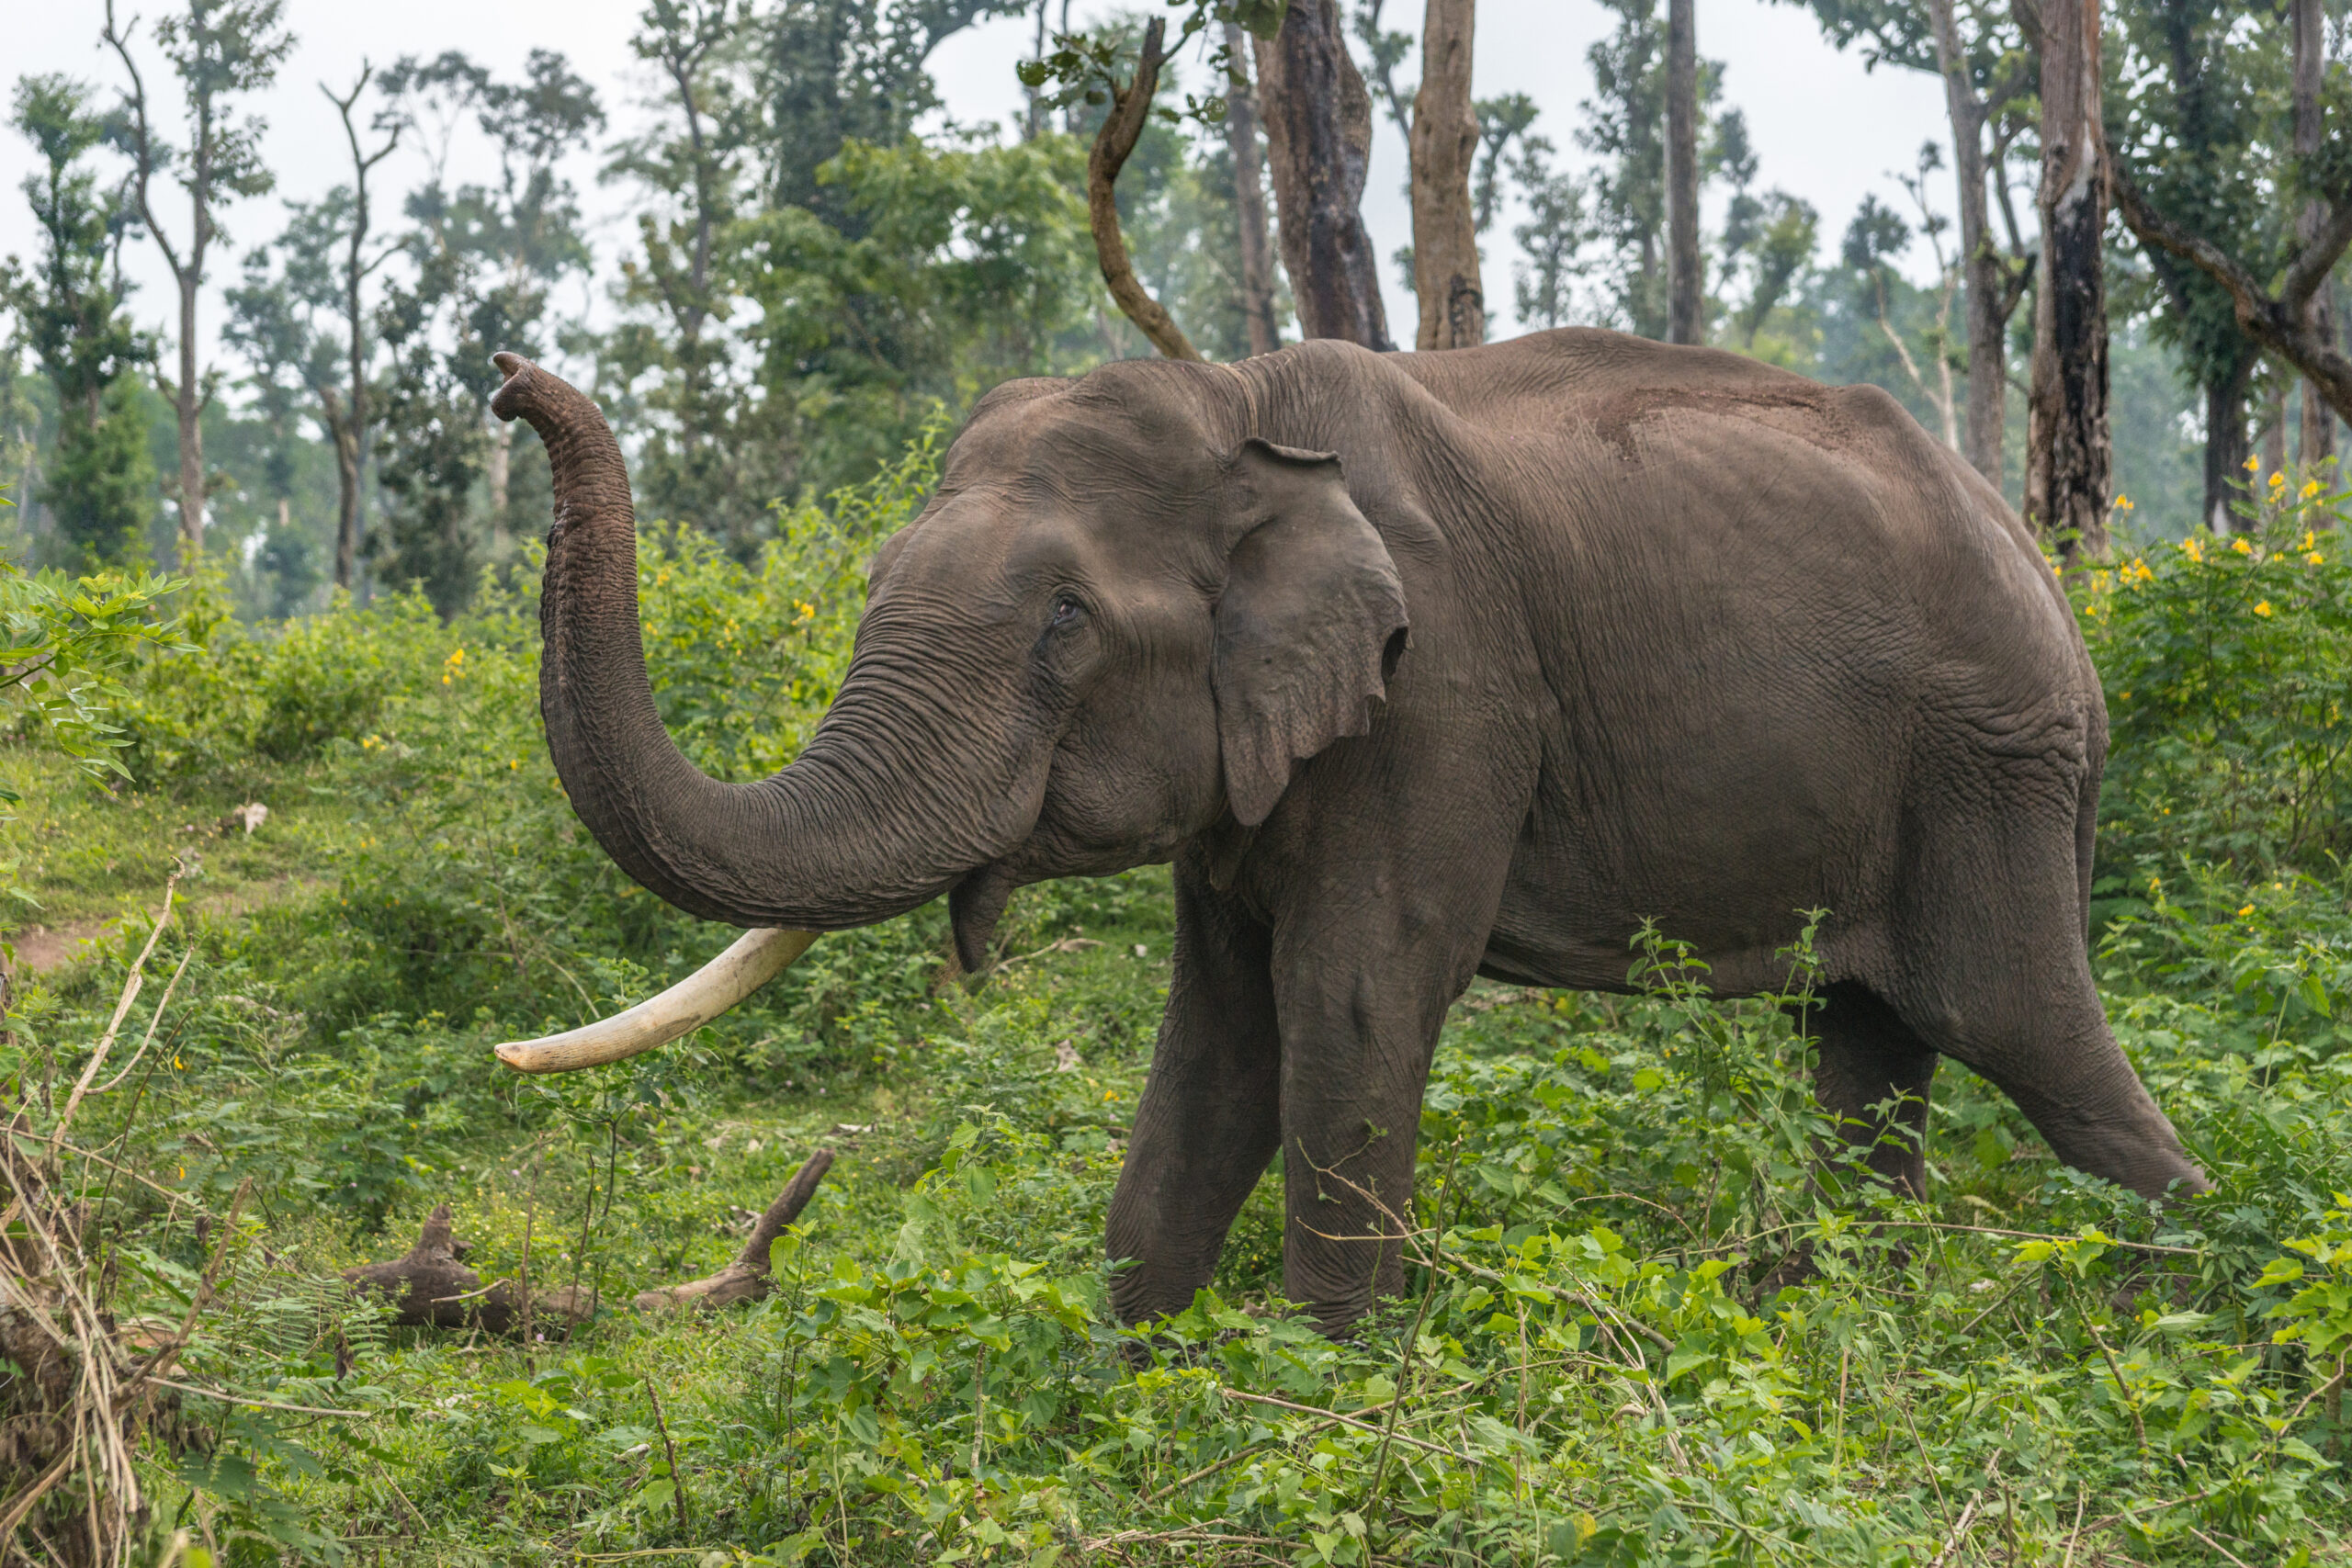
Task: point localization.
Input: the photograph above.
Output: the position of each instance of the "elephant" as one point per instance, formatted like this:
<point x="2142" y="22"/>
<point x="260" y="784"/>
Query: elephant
<point x="1417" y="667"/>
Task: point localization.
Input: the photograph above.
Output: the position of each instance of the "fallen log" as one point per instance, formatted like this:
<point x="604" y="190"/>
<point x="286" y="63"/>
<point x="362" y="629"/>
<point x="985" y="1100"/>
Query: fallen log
<point x="748" y="1278"/>
<point x="429" y="1288"/>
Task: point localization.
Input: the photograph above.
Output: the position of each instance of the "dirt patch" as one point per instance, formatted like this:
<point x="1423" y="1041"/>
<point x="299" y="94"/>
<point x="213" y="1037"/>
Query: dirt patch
<point x="43" y="947"/>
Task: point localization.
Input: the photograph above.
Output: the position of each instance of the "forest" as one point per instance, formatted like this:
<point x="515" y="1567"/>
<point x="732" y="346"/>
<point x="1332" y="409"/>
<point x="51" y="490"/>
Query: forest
<point x="293" y="1269"/>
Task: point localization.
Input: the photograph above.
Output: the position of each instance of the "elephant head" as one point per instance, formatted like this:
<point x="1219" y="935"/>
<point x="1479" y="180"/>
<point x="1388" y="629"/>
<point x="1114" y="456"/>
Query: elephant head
<point x="1120" y="618"/>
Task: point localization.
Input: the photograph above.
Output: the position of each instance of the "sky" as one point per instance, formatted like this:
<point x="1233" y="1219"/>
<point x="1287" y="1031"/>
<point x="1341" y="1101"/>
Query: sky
<point x="1824" y="129"/>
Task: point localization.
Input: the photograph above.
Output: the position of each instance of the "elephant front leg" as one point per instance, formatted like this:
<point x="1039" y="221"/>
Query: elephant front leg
<point x="1356" y="1053"/>
<point x="1210" y="1120"/>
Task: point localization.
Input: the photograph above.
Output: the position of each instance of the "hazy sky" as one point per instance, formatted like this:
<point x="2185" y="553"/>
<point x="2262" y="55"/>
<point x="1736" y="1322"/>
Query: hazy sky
<point x="1823" y="128"/>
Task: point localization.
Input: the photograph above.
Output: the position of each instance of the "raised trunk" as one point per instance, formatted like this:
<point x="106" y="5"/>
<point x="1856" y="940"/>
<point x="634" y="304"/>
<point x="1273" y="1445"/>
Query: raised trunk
<point x="1981" y="271"/>
<point x="1318" y="134"/>
<point x="2318" y="442"/>
<point x="1685" y="281"/>
<point x="2074" y="465"/>
<point x="1444" y="146"/>
<point x="1249" y="198"/>
<point x="871" y="821"/>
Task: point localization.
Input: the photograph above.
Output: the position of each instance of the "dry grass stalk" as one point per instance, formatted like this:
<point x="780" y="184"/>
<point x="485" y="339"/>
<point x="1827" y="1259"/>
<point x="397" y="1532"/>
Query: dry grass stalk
<point x="77" y="1396"/>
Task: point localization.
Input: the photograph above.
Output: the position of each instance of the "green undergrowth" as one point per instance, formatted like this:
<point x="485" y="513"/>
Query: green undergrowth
<point x="1593" y="1362"/>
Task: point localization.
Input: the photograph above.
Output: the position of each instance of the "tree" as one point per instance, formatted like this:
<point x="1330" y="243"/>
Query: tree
<point x="2283" y="323"/>
<point x="2318" y="443"/>
<point x="220" y="50"/>
<point x="689" y="165"/>
<point x="1319" y="136"/>
<point x="101" y="484"/>
<point x="2068" y="462"/>
<point x="827" y="73"/>
<point x="1686" y="282"/>
<point x="1445" y="144"/>
<point x="346" y="418"/>
<point x="960" y="267"/>
<point x="1257" y="255"/>
<point x="271" y="323"/>
<point x="2192" y="157"/>
<point x="1983" y="58"/>
<point x="1114" y="142"/>
<point x="1625" y="129"/>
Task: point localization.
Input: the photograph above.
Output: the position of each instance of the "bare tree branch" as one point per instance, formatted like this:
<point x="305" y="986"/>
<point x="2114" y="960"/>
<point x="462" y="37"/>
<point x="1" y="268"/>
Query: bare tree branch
<point x="1112" y="143"/>
<point x="2276" y="323"/>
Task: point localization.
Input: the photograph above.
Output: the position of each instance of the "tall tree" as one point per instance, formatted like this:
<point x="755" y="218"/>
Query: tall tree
<point x="1248" y="194"/>
<point x="100" y="483"/>
<point x="1445" y="144"/>
<point x="2318" y="443"/>
<point x="1319" y="136"/>
<point x="220" y="50"/>
<point x="346" y="416"/>
<point x="2193" y="157"/>
<point x="1624" y="127"/>
<point x="1685" y="273"/>
<point x="2069" y="461"/>
<point x="1986" y="63"/>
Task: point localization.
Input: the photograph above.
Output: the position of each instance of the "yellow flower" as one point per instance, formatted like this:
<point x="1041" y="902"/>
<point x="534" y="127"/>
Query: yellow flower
<point x="2263" y="608"/>
<point x="2314" y="558"/>
<point x="2243" y="544"/>
<point x="2244" y="912"/>
<point x="2123" y="503"/>
<point x="2310" y="540"/>
<point x="2253" y="464"/>
<point x="2193" y="548"/>
<point x="2278" y="481"/>
<point x="2122" y="696"/>
<point x="2311" y="488"/>
<point x="2140" y="570"/>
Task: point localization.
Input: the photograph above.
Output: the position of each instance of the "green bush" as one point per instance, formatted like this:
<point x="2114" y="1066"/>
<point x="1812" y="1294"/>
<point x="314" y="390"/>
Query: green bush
<point x="2226" y="664"/>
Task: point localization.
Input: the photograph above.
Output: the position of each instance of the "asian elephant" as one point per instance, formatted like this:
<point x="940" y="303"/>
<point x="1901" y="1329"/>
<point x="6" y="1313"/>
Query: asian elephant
<point x="1419" y="667"/>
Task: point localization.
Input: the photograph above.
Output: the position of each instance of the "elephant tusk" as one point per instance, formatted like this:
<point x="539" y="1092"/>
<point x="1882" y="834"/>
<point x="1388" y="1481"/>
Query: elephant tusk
<point x="755" y="958"/>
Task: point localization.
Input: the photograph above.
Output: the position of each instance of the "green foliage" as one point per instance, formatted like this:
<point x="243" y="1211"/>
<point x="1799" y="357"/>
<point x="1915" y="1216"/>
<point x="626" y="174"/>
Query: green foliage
<point x="99" y="481"/>
<point x="2225" y="662"/>
<point x="66" y="644"/>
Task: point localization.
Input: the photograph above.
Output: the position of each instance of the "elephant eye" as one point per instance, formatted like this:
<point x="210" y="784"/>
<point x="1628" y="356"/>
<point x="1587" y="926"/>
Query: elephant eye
<point x="1068" y="613"/>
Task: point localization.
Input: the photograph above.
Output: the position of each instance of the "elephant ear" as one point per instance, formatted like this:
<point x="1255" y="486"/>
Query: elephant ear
<point x="1308" y="626"/>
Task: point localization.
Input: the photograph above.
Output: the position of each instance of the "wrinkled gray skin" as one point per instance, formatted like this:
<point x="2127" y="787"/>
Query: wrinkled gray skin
<point x="1422" y="667"/>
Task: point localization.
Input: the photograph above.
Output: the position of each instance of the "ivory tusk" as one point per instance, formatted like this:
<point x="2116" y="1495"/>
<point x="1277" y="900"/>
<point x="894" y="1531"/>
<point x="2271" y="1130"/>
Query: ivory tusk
<point x="755" y="958"/>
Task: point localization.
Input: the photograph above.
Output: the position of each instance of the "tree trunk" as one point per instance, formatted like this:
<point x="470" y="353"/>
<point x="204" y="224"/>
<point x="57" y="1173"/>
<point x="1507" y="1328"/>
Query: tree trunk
<point x="1250" y="198"/>
<point x="1319" y="136"/>
<point x="187" y="403"/>
<point x="1685" y="276"/>
<point x="2310" y="129"/>
<point x="1445" y="148"/>
<point x="2073" y="468"/>
<point x="1985" y="286"/>
<point x="2226" y="446"/>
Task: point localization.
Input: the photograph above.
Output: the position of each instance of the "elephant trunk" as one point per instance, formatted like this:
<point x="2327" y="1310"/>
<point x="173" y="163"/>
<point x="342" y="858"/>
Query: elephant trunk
<point x="847" y="835"/>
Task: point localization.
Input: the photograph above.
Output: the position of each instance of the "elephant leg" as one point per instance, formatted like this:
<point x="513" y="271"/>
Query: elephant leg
<point x="1210" y="1119"/>
<point x="1364" y="998"/>
<point x="1873" y="1075"/>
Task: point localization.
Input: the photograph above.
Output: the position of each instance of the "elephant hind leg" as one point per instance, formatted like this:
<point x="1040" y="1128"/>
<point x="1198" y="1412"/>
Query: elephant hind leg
<point x="1873" y="1075"/>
